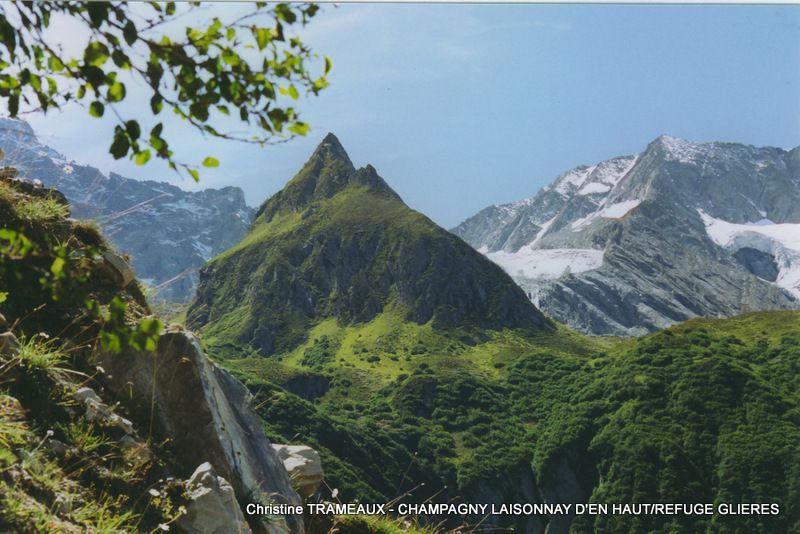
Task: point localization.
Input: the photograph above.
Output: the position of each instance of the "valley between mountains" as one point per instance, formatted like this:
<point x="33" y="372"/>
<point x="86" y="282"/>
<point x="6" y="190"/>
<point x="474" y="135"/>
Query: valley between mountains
<point x="457" y="367"/>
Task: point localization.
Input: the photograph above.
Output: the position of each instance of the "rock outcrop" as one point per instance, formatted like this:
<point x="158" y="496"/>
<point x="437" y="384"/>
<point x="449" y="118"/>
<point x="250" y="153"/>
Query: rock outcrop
<point x="207" y="415"/>
<point x="304" y="467"/>
<point x="102" y="408"/>
<point x="213" y="508"/>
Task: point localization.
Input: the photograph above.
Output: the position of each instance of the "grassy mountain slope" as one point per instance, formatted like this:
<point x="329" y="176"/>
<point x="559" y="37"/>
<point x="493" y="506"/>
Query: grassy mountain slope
<point x="66" y="465"/>
<point x="337" y="242"/>
<point x="704" y="412"/>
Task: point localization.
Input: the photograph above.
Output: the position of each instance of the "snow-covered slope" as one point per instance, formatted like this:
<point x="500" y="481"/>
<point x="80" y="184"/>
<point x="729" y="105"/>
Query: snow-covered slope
<point x="780" y="241"/>
<point x="169" y="233"/>
<point x="654" y="238"/>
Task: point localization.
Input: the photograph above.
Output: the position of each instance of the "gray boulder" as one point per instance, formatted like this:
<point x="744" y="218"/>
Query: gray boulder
<point x="212" y="508"/>
<point x="304" y="467"/>
<point x="208" y="416"/>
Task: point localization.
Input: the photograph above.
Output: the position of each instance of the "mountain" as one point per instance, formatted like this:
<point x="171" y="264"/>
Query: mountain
<point x="338" y="242"/>
<point x="637" y="243"/>
<point x="169" y="233"/>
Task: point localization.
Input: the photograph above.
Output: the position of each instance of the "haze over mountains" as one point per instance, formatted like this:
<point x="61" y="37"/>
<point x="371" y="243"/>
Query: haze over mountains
<point x="168" y="232"/>
<point x="638" y="243"/>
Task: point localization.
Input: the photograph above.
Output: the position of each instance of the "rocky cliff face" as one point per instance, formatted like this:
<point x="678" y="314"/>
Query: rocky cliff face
<point x="338" y="242"/>
<point x="638" y="243"/>
<point x="169" y="233"/>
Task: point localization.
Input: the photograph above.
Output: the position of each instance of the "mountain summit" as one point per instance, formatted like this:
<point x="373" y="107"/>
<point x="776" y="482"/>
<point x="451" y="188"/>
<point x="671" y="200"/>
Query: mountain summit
<point x="327" y="172"/>
<point x="338" y="242"/>
<point x="638" y="243"/>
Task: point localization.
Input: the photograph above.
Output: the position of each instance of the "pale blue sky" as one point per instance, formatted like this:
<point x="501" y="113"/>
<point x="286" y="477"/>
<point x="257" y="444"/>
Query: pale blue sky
<point x="461" y="106"/>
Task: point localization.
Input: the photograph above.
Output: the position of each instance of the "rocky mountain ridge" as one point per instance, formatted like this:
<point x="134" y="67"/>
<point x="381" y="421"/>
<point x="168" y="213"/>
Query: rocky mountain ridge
<point x="338" y="242"/>
<point x="637" y="243"/>
<point x="169" y="233"/>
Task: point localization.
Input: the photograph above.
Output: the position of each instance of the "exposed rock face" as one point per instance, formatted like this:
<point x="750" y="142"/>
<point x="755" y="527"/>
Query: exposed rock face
<point x="208" y="415"/>
<point x="762" y="264"/>
<point x="97" y="410"/>
<point x="169" y="233"/>
<point x="304" y="467"/>
<point x="518" y="487"/>
<point x="213" y="508"/>
<point x="638" y="243"/>
<point x="338" y="242"/>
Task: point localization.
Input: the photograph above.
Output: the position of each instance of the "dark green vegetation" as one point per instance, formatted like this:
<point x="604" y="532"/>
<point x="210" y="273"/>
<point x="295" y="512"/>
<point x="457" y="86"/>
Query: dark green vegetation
<point x="438" y="384"/>
<point x="703" y="412"/>
<point x="337" y="242"/>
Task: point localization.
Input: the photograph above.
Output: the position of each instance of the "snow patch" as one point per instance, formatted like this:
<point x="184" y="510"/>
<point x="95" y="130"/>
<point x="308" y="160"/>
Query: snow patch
<point x="594" y="188"/>
<point x="613" y="211"/>
<point x="619" y="209"/>
<point x="540" y="234"/>
<point x="782" y="241"/>
<point x="575" y="178"/>
<point x="682" y="150"/>
<point x="547" y="263"/>
<point x="607" y="175"/>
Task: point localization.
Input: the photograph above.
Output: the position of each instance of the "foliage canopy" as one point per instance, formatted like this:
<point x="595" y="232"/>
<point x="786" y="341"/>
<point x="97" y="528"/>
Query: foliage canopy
<point x="250" y="68"/>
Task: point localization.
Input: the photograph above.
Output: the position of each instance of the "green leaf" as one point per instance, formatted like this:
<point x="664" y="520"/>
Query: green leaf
<point x="54" y="64"/>
<point x="156" y="104"/>
<point x="129" y="32"/>
<point x="57" y="267"/>
<point x="133" y="129"/>
<point x="230" y="57"/>
<point x="96" y="109"/>
<point x="210" y="162"/>
<point x="194" y="174"/>
<point x="299" y="128"/>
<point x="142" y="157"/>
<point x="328" y="64"/>
<point x="121" y="144"/>
<point x="120" y="59"/>
<point x="116" y="92"/>
<point x="290" y="91"/>
<point x="95" y="54"/>
<point x="263" y="37"/>
<point x="285" y="13"/>
<point x="13" y="105"/>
